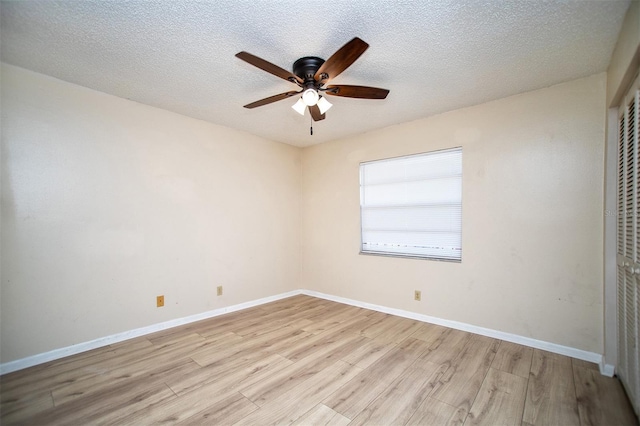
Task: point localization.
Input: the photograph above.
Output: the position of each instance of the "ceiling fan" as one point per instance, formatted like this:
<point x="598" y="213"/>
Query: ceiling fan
<point x="311" y="74"/>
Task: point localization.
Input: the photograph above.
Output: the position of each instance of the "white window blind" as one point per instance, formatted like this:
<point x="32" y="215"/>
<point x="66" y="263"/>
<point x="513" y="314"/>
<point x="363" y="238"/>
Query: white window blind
<point x="412" y="206"/>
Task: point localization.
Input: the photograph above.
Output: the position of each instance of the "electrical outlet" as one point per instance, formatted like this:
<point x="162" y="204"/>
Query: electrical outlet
<point x="219" y="290"/>
<point x="160" y="301"/>
<point x="417" y="295"/>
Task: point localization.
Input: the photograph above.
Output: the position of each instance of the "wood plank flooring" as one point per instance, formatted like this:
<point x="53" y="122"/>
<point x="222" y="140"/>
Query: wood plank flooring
<point x="309" y="361"/>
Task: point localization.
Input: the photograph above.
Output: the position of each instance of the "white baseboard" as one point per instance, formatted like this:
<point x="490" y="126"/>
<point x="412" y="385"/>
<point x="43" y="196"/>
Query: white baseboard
<point x="605" y="369"/>
<point x="20" y="364"/>
<point x="514" y="338"/>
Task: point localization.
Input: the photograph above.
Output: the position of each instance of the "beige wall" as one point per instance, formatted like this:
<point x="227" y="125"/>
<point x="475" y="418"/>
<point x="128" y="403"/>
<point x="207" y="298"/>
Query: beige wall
<point x="532" y="217"/>
<point x="107" y="203"/>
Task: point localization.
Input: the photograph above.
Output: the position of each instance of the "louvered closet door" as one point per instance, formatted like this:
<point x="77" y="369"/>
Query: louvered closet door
<point x="628" y="258"/>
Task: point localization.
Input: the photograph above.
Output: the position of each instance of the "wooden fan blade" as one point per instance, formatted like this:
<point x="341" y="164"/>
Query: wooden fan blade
<point x="362" y="92"/>
<point x="271" y="99"/>
<point x="315" y="113"/>
<point x="341" y="60"/>
<point x="268" y="67"/>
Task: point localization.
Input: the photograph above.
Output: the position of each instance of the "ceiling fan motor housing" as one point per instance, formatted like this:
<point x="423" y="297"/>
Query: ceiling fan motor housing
<point x="306" y="67"/>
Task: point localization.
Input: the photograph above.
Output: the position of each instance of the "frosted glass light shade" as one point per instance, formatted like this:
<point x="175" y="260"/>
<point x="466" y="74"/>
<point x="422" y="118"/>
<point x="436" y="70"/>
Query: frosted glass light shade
<point x="299" y="106"/>
<point x="310" y="97"/>
<point x="324" y="105"/>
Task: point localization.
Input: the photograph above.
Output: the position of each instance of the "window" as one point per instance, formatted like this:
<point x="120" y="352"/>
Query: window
<point x="412" y="206"/>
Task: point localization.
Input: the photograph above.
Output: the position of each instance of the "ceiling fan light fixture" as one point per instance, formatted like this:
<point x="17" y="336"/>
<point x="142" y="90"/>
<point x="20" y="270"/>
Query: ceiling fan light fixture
<point x="310" y="74"/>
<point x="299" y="106"/>
<point x="324" y="105"/>
<point x="310" y="97"/>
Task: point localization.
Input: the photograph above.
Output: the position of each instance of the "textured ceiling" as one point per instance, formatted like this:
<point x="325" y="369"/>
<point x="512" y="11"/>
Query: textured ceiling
<point x="433" y="56"/>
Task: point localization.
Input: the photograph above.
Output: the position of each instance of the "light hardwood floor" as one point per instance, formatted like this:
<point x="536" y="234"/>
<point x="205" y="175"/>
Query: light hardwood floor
<point x="308" y="361"/>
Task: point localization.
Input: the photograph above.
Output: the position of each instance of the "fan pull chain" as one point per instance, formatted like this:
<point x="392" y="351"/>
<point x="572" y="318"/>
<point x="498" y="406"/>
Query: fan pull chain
<point x="311" y="125"/>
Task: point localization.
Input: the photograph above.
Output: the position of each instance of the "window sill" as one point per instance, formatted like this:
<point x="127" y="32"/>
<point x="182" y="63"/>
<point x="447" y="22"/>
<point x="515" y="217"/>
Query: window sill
<point x="407" y="256"/>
